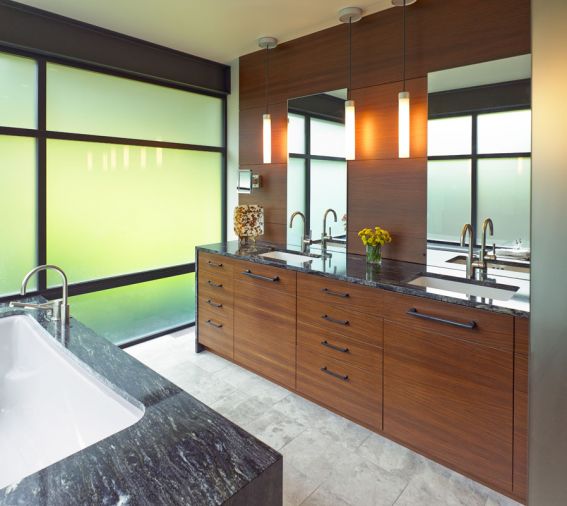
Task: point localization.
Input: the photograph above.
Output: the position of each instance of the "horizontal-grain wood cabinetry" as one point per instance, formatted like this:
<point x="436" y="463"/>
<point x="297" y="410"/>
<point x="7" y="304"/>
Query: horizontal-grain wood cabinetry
<point x="446" y="380"/>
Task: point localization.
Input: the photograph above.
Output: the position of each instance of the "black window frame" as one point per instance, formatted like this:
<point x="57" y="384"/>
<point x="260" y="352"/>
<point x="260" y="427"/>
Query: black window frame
<point x="41" y="134"/>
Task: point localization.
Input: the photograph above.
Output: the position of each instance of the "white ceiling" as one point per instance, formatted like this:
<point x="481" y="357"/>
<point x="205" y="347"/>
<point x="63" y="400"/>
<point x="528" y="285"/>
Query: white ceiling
<point x="220" y="30"/>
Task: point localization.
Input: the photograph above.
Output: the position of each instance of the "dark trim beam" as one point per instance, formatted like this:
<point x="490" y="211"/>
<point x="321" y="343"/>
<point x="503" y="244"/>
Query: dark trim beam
<point x="30" y="29"/>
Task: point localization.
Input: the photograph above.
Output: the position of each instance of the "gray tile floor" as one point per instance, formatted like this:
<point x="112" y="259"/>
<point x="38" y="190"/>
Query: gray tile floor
<point x="328" y="460"/>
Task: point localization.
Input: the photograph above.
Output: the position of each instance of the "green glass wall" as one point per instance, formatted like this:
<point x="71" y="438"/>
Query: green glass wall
<point x="18" y="209"/>
<point x="18" y="91"/>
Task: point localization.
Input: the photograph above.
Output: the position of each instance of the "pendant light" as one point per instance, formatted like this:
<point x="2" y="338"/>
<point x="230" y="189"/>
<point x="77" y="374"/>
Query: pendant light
<point x="350" y="15"/>
<point x="403" y="96"/>
<point x="267" y="43"/>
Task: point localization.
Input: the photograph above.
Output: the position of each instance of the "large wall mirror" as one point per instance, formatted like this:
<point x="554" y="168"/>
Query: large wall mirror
<point x="317" y="168"/>
<point x="479" y="154"/>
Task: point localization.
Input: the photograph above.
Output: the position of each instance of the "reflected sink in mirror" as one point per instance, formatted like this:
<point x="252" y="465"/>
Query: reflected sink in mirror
<point x="289" y="257"/>
<point x="500" y="265"/>
<point x="464" y="287"/>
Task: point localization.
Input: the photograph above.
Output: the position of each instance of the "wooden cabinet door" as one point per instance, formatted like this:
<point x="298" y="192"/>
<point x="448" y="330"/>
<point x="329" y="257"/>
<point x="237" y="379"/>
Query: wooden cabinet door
<point x="452" y="399"/>
<point x="265" y="323"/>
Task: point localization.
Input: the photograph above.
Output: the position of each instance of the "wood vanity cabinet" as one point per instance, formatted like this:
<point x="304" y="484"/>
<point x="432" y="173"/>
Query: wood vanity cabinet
<point x="448" y="384"/>
<point x="521" y="348"/>
<point x="265" y="320"/>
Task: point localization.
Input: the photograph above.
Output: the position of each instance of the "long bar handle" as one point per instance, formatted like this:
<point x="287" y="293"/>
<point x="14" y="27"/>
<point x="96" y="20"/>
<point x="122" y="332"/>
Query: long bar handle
<point x="334" y="320"/>
<point x="248" y="272"/>
<point x="327" y="344"/>
<point x="212" y="323"/>
<point x="334" y="374"/>
<point x="336" y="294"/>
<point x="469" y="325"/>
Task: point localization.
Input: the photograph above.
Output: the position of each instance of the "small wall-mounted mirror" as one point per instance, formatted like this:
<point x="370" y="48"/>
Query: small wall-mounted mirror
<point x="317" y="168"/>
<point x="244" y="181"/>
<point x="479" y="153"/>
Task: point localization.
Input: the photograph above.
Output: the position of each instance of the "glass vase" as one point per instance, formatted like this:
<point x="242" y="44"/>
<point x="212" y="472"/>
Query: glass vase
<point x="374" y="254"/>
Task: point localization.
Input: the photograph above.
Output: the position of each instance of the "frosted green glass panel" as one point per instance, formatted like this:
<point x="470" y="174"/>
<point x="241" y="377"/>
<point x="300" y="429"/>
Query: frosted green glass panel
<point x="18" y="91"/>
<point x="86" y="102"/>
<point x="296" y="134"/>
<point x="135" y="311"/>
<point x="328" y="184"/>
<point x="120" y="209"/>
<point x="504" y="196"/>
<point x="295" y="198"/>
<point x="448" y="199"/>
<point x="505" y="132"/>
<point x="18" y="208"/>
<point x="449" y="136"/>
<point x="327" y="138"/>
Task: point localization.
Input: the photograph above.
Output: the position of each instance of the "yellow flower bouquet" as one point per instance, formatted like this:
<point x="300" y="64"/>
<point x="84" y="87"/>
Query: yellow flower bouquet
<point x="374" y="239"/>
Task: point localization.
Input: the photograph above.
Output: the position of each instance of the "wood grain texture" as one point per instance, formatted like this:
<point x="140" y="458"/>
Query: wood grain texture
<point x="360" y="395"/>
<point x="491" y="330"/>
<point x="215" y="264"/>
<point x="286" y="281"/>
<point x="216" y="332"/>
<point x="521" y="384"/>
<point x="338" y="347"/>
<point x="265" y="331"/>
<point x="393" y="195"/>
<point x="340" y="320"/>
<point x="377" y="120"/>
<point x="451" y="399"/>
<point x="339" y="293"/>
<point x="522" y="336"/>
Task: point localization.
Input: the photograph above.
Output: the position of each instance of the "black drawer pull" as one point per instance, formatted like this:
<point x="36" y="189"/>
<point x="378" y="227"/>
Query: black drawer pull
<point x="334" y="374"/>
<point x="214" y="264"/>
<point x="216" y="285"/>
<point x="344" y="295"/>
<point x="214" y="304"/>
<point x="333" y="347"/>
<point x="212" y="323"/>
<point x="248" y="272"/>
<point x="333" y="320"/>
<point x="469" y="325"/>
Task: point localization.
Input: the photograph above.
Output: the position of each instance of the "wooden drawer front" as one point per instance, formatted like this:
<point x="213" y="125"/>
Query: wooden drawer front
<point x="490" y="329"/>
<point x="451" y="399"/>
<point x="338" y="347"/>
<point x="216" y="332"/>
<point x="522" y="336"/>
<point x="521" y="426"/>
<point x="266" y="276"/>
<point x="217" y="306"/>
<point x="340" y="293"/>
<point x="264" y="332"/>
<point x="215" y="263"/>
<point x="215" y="283"/>
<point x="341" y="320"/>
<point x="354" y="392"/>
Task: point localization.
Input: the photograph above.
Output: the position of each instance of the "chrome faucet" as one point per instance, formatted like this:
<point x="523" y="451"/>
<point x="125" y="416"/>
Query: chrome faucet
<point x="471" y="266"/>
<point x="59" y="307"/>
<point x="324" y="237"/>
<point x="305" y="238"/>
<point x="487" y="223"/>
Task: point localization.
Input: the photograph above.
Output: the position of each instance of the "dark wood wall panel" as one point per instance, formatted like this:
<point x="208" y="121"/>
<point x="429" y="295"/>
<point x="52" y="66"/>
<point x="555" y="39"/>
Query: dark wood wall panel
<point x="391" y="194"/>
<point x="377" y="120"/>
<point x="388" y="192"/>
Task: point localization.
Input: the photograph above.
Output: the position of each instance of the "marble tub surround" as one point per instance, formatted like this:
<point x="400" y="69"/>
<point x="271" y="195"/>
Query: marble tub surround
<point x="180" y="452"/>
<point x="392" y="275"/>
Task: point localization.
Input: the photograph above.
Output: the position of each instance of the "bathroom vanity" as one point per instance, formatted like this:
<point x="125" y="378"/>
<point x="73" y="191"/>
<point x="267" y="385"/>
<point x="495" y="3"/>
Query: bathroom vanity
<point x="125" y="435"/>
<point x="442" y="373"/>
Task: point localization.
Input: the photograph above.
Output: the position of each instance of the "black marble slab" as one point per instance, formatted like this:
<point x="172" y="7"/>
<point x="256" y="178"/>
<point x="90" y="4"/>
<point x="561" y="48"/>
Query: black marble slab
<point x="391" y="275"/>
<point x="179" y="452"/>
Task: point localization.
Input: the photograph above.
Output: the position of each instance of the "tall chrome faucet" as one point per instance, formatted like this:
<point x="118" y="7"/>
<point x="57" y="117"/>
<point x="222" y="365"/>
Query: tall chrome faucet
<point x="471" y="267"/>
<point x="59" y="307"/>
<point x="305" y="238"/>
<point x="486" y="224"/>
<point x="324" y="236"/>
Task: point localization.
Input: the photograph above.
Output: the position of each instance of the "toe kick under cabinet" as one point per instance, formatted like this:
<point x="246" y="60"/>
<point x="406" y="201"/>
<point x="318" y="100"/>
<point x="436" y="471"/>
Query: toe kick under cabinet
<point x="445" y="380"/>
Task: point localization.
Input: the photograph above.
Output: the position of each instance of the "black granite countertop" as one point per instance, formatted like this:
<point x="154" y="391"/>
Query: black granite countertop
<point x="179" y="452"/>
<point x="392" y="275"/>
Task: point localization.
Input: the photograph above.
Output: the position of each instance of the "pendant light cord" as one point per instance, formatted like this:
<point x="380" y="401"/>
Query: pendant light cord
<point x="349" y="57"/>
<point x="267" y="77"/>
<point x="404" y="48"/>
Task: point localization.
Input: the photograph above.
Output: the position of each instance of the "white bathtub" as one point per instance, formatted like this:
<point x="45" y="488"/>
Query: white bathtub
<point x="51" y="405"/>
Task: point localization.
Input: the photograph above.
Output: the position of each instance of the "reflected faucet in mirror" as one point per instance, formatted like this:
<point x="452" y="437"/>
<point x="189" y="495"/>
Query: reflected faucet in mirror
<point x="473" y="264"/>
<point x="487" y="223"/>
<point x="305" y="238"/>
<point x="324" y="237"/>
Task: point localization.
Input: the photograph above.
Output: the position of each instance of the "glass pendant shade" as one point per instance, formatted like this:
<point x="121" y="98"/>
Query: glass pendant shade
<point x="267" y="138"/>
<point x="404" y="124"/>
<point x="350" y="136"/>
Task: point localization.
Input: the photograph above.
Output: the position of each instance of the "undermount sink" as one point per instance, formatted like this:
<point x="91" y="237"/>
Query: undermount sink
<point x="500" y="265"/>
<point x="456" y="285"/>
<point x="288" y="256"/>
